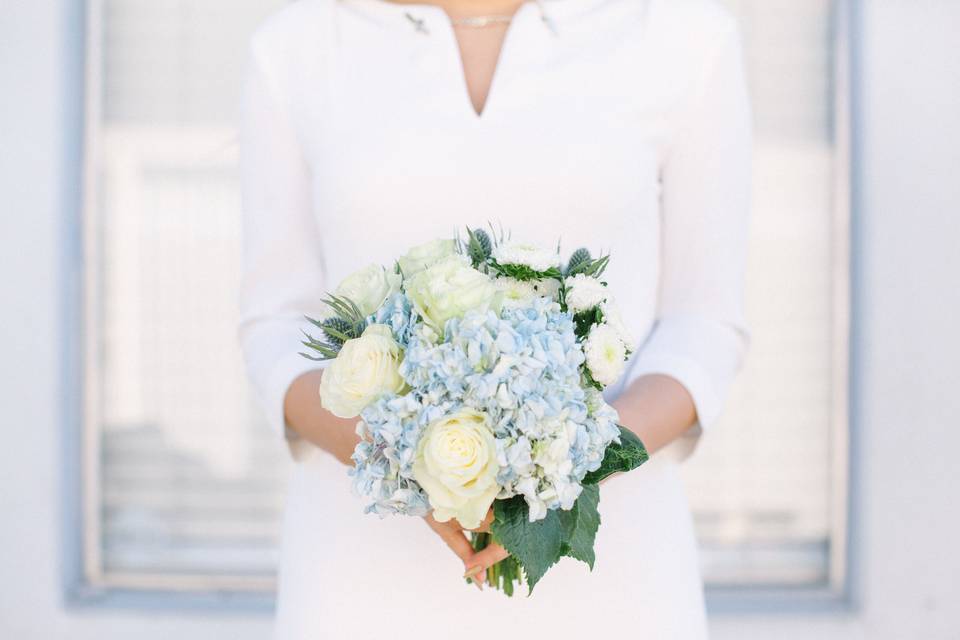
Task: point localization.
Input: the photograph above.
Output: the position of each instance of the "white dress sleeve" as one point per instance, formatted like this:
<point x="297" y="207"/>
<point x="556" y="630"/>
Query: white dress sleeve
<point x="282" y="277"/>
<point x="700" y="335"/>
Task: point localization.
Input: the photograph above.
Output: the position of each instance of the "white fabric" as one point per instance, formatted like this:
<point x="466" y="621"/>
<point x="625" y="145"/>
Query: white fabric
<point x="624" y="128"/>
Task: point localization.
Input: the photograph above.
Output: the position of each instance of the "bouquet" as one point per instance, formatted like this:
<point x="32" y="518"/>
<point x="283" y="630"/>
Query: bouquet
<point x="476" y="366"/>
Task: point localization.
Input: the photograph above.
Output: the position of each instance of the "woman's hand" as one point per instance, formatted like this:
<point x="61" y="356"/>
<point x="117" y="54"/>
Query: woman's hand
<point x="453" y="535"/>
<point x="484" y="526"/>
<point x="486" y="557"/>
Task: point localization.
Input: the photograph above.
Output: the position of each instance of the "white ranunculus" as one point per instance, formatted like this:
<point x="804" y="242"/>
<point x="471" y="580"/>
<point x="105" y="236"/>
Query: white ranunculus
<point x="365" y="368"/>
<point x="612" y="317"/>
<point x="584" y="292"/>
<point x="516" y="292"/>
<point x="369" y="287"/>
<point x="426" y="255"/>
<point x="605" y="354"/>
<point x="449" y="289"/>
<point x="529" y="255"/>
<point x="456" y="464"/>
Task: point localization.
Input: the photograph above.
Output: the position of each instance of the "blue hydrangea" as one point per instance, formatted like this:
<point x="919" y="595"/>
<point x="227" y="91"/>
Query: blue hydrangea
<point x="522" y="367"/>
<point x="397" y="312"/>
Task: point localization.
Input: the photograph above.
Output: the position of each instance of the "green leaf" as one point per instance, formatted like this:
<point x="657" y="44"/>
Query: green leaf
<point x="524" y="272"/>
<point x="327" y="351"/>
<point x="586" y="265"/>
<point x="344" y="308"/>
<point x="597" y="267"/>
<point x="580" y="525"/>
<point x="583" y="321"/>
<point x="588" y="378"/>
<point x="536" y="545"/>
<point x="624" y="456"/>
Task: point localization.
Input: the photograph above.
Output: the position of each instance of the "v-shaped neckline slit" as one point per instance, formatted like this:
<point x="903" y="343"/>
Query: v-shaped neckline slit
<point x="496" y="78"/>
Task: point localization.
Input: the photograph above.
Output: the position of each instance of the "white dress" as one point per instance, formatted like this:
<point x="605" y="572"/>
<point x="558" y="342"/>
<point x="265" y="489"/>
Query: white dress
<point x="619" y="125"/>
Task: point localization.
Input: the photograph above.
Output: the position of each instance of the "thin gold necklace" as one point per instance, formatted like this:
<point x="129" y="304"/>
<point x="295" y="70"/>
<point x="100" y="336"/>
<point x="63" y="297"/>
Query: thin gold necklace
<point x="481" y="21"/>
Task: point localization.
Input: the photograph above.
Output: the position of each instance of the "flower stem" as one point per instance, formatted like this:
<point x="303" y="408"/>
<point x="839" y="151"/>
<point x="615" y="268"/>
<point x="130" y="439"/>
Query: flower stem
<point x="504" y="575"/>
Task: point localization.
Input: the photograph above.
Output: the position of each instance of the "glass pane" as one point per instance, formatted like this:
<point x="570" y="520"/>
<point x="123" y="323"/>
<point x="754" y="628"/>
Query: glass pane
<point x="760" y="484"/>
<point x="191" y="479"/>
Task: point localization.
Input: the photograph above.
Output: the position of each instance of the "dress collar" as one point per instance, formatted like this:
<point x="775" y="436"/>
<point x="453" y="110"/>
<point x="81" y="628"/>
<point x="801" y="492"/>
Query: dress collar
<point x="554" y="14"/>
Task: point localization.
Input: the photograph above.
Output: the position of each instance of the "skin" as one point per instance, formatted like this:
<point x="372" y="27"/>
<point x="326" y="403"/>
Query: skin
<point x="479" y="47"/>
<point x="656" y="407"/>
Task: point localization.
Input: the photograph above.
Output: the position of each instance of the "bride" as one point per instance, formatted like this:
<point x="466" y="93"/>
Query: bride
<point x="369" y="126"/>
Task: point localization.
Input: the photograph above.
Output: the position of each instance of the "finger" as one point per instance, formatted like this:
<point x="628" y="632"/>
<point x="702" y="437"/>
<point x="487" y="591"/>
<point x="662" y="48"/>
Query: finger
<point x="476" y="574"/>
<point x="490" y="555"/>
<point x="485" y="524"/>
<point x="455" y="540"/>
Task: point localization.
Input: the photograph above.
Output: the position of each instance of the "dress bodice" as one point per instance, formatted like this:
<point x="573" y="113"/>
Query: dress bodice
<point x="618" y="125"/>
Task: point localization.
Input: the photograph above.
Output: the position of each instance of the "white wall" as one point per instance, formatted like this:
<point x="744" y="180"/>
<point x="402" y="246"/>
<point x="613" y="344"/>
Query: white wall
<point x="905" y="350"/>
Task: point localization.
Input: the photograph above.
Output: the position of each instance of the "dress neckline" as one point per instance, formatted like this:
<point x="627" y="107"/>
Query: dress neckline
<point x="433" y="26"/>
<point x="556" y="11"/>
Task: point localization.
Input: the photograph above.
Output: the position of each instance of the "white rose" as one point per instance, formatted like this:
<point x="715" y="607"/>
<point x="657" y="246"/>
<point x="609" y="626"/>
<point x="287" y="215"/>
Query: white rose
<point x="584" y="292"/>
<point x="369" y="287"/>
<point x="605" y="354"/>
<point x="365" y="368"/>
<point x="456" y="464"/>
<point x="528" y="255"/>
<point x="449" y="289"/>
<point x="426" y="255"/>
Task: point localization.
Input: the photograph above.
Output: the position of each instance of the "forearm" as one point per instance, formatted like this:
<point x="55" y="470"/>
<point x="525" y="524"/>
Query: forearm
<point x="657" y="408"/>
<point x="311" y="421"/>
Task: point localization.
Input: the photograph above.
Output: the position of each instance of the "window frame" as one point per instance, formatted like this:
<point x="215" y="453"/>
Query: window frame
<point x="85" y="580"/>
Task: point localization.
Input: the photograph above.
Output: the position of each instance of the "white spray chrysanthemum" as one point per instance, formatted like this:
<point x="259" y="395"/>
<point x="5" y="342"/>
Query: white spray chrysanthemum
<point x="605" y="354"/>
<point x="584" y="292"/>
<point x="528" y="255"/>
<point x="548" y="288"/>
<point x="516" y="292"/>
<point x="612" y="317"/>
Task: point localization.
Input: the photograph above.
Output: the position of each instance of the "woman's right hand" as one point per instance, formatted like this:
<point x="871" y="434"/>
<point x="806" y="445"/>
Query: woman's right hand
<point x="456" y="539"/>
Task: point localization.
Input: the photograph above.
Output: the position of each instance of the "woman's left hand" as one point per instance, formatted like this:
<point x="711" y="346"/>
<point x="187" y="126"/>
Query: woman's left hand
<point x="488" y="556"/>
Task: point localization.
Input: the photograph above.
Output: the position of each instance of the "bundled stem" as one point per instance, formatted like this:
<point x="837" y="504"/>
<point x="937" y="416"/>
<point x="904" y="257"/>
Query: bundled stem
<point x="504" y="575"/>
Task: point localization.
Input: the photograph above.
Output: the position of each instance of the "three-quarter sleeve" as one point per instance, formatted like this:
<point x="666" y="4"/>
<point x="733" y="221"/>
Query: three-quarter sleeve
<point x="282" y="277"/>
<point x="700" y="334"/>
